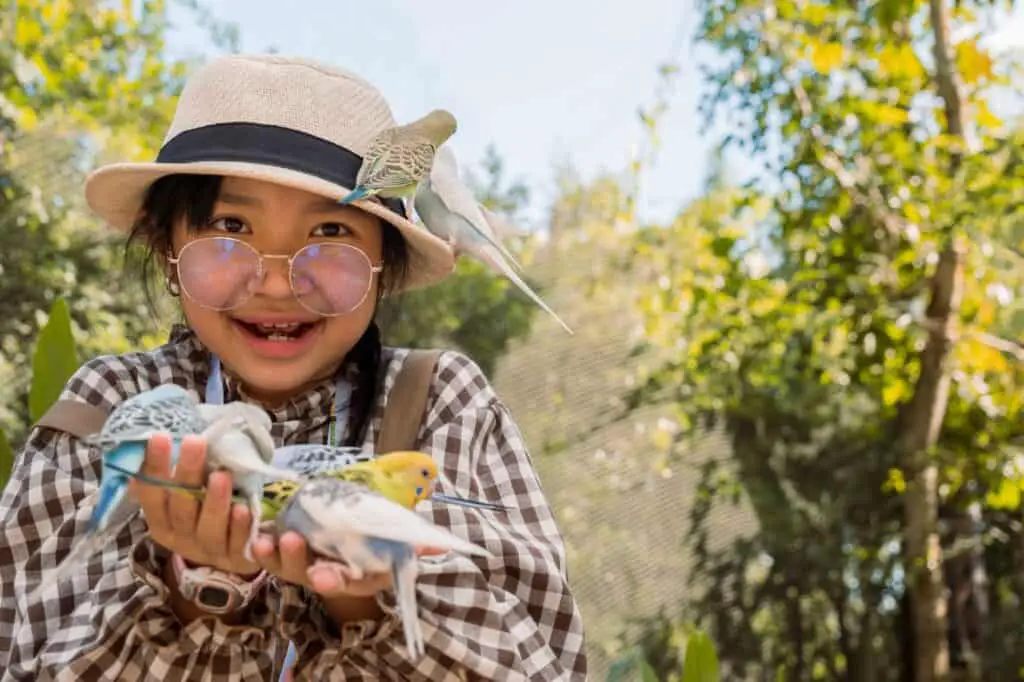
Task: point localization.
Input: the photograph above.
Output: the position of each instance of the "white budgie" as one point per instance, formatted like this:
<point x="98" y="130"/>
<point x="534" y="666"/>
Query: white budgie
<point x="350" y="523"/>
<point x="449" y="210"/>
<point x="239" y="441"/>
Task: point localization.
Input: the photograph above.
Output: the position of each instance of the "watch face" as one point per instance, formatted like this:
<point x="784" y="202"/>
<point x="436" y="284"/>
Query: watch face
<point x="214" y="597"/>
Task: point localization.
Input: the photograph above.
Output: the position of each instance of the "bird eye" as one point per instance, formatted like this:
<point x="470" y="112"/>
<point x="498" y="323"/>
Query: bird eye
<point x="426" y="473"/>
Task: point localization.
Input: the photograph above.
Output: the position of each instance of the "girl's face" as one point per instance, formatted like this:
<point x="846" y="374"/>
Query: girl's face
<point x="271" y="341"/>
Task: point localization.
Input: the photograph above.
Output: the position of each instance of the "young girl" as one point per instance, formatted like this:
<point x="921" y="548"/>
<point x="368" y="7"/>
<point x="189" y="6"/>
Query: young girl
<point x="279" y="286"/>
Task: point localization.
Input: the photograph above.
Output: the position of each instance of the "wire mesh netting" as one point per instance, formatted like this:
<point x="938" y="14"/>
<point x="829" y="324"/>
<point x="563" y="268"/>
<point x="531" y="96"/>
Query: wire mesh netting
<point x="623" y="514"/>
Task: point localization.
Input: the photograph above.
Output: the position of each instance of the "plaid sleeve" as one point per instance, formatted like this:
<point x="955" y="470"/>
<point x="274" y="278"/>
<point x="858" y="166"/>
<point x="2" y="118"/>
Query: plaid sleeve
<point x="509" y="617"/>
<point x="110" y="620"/>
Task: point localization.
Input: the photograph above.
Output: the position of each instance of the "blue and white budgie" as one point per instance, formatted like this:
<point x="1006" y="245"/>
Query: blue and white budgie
<point x="239" y="441"/>
<point x="347" y="522"/>
<point x="449" y="210"/>
<point x="165" y="409"/>
<point x="399" y="157"/>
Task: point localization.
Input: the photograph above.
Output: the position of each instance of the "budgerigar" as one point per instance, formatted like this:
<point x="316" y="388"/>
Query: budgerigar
<point x="239" y="441"/>
<point x="165" y="409"/>
<point x="348" y="463"/>
<point x="404" y="477"/>
<point x="399" y="157"/>
<point x="444" y="185"/>
<point x="347" y="522"/>
<point x="449" y="211"/>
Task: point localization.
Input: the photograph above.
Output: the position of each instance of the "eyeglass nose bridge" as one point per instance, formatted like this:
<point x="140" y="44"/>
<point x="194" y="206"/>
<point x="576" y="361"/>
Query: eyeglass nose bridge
<point x="289" y="260"/>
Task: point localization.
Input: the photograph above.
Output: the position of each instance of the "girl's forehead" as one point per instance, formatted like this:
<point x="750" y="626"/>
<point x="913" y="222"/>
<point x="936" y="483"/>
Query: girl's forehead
<point x="281" y="204"/>
<point x="261" y="192"/>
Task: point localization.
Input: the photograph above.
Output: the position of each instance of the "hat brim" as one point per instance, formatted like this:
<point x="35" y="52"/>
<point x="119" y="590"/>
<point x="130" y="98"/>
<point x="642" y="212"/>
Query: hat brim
<point x="116" y="193"/>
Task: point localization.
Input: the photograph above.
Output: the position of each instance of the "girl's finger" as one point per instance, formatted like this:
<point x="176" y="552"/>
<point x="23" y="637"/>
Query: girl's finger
<point x="239" y="529"/>
<point x="183" y="510"/>
<point x="267" y="554"/>
<point x="190" y="470"/>
<point x="213" y="521"/>
<point x="327" y="578"/>
<point x="294" y="557"/>
<point x="153" y="499"/>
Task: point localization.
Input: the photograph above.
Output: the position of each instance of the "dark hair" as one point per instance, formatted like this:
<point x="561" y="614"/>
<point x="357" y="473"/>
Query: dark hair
<point x="193" y="197"/>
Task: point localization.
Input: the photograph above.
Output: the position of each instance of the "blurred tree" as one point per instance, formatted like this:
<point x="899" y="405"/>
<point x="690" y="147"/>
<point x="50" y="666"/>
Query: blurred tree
<point x="815" y="333"/>
<point x="80" y="82"/>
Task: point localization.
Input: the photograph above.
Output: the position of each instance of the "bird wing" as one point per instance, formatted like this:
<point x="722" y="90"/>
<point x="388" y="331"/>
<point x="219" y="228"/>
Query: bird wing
<point x="317" y="458"/>
<point x="458" y="199"/>
<point x="374" y="155"/>
<point x="166" y="408"/>
<point x="345" y="506"/>
<point x="401" y="166"/>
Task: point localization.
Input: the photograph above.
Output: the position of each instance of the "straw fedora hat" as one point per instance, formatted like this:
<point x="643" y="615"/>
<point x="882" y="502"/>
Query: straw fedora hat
<point x="290" y="121"/>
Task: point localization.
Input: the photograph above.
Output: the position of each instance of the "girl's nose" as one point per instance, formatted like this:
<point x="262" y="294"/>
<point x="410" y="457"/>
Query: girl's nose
<point x="275" y="282"/>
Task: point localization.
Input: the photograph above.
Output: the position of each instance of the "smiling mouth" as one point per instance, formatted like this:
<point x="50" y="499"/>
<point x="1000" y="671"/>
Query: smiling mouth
<point x="277" y="331"/>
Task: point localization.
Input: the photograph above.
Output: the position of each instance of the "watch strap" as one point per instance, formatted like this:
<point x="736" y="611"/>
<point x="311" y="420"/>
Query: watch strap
<point x="213" y="590"/>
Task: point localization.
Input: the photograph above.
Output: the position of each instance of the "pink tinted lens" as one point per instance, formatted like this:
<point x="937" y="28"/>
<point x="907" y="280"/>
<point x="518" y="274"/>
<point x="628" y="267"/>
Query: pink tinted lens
<point x="218" y="272"/>
<point x="331" y="279"/>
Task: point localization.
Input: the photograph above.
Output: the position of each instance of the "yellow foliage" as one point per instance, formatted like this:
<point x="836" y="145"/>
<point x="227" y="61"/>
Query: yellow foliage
<point x="27" y="32"/>
<point x="974" y="64"/>
<point x="899" y="62"/>
<point x="896" y="482"/>
<point x="826" y="56"/>
<point x="890" y="115"/>
<point x="984" y="116"/>
<point x="895" y="392"/>
<point x="1006" y="496"/>
<point x="975" y="356"/>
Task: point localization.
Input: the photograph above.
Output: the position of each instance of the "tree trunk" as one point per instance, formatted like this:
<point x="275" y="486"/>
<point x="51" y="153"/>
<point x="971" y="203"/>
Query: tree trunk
<point x="920" y="431"/>
<point x="927" y="408"/>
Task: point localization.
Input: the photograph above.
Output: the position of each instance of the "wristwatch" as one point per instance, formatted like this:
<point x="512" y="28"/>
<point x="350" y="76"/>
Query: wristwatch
<point x="212" y="590"/>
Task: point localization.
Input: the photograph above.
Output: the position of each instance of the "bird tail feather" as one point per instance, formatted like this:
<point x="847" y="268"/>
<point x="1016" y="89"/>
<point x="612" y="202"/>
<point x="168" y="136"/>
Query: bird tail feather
<point x="355" y="195"/>
<point x="403" y="574"/>
<point x="494" y="259"/>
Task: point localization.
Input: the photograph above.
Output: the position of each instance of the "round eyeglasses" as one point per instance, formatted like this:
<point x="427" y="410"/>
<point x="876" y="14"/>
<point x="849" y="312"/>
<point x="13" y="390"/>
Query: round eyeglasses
<point x="222" y="273"/>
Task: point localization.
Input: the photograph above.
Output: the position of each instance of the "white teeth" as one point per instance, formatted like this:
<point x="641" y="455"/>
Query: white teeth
<point x="280" y="326"/>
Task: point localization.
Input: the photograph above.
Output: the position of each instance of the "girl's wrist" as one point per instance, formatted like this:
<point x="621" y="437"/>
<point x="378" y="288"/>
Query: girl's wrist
<point x="348" y="609"/>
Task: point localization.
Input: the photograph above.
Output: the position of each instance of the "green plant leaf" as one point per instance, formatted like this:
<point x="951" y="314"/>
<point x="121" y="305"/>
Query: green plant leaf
<point x="6" y="460"/>
<point x="701" y="662"/>
<point x="647" y="673"/>
<point x="54" y="362"/>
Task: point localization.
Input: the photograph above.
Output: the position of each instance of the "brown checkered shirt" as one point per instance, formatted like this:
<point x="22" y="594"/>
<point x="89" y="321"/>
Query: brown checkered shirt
<point x="510" y="617"/>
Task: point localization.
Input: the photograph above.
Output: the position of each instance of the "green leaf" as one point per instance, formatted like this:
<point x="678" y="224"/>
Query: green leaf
<point x="6" y="459"/>
<point x="701" y="662"/>
<point x="54" y="362"/>
<point x="1006" y="496"/>
<point x="647" y="673"/>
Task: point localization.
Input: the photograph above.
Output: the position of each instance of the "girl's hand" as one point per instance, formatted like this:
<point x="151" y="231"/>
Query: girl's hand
<point x="291" y="560"/>
<point x="210" y="533"/>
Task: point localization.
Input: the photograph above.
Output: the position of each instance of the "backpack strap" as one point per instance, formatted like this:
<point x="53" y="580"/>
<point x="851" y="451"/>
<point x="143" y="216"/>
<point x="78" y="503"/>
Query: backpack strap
<point x="407" y="403"/>
<point x="74" y="417"/>
<point x="403" y="412"/>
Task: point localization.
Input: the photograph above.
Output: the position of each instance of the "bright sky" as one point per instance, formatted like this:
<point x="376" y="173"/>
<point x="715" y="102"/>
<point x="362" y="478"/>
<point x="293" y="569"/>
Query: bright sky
<point x="545" y="80"/>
